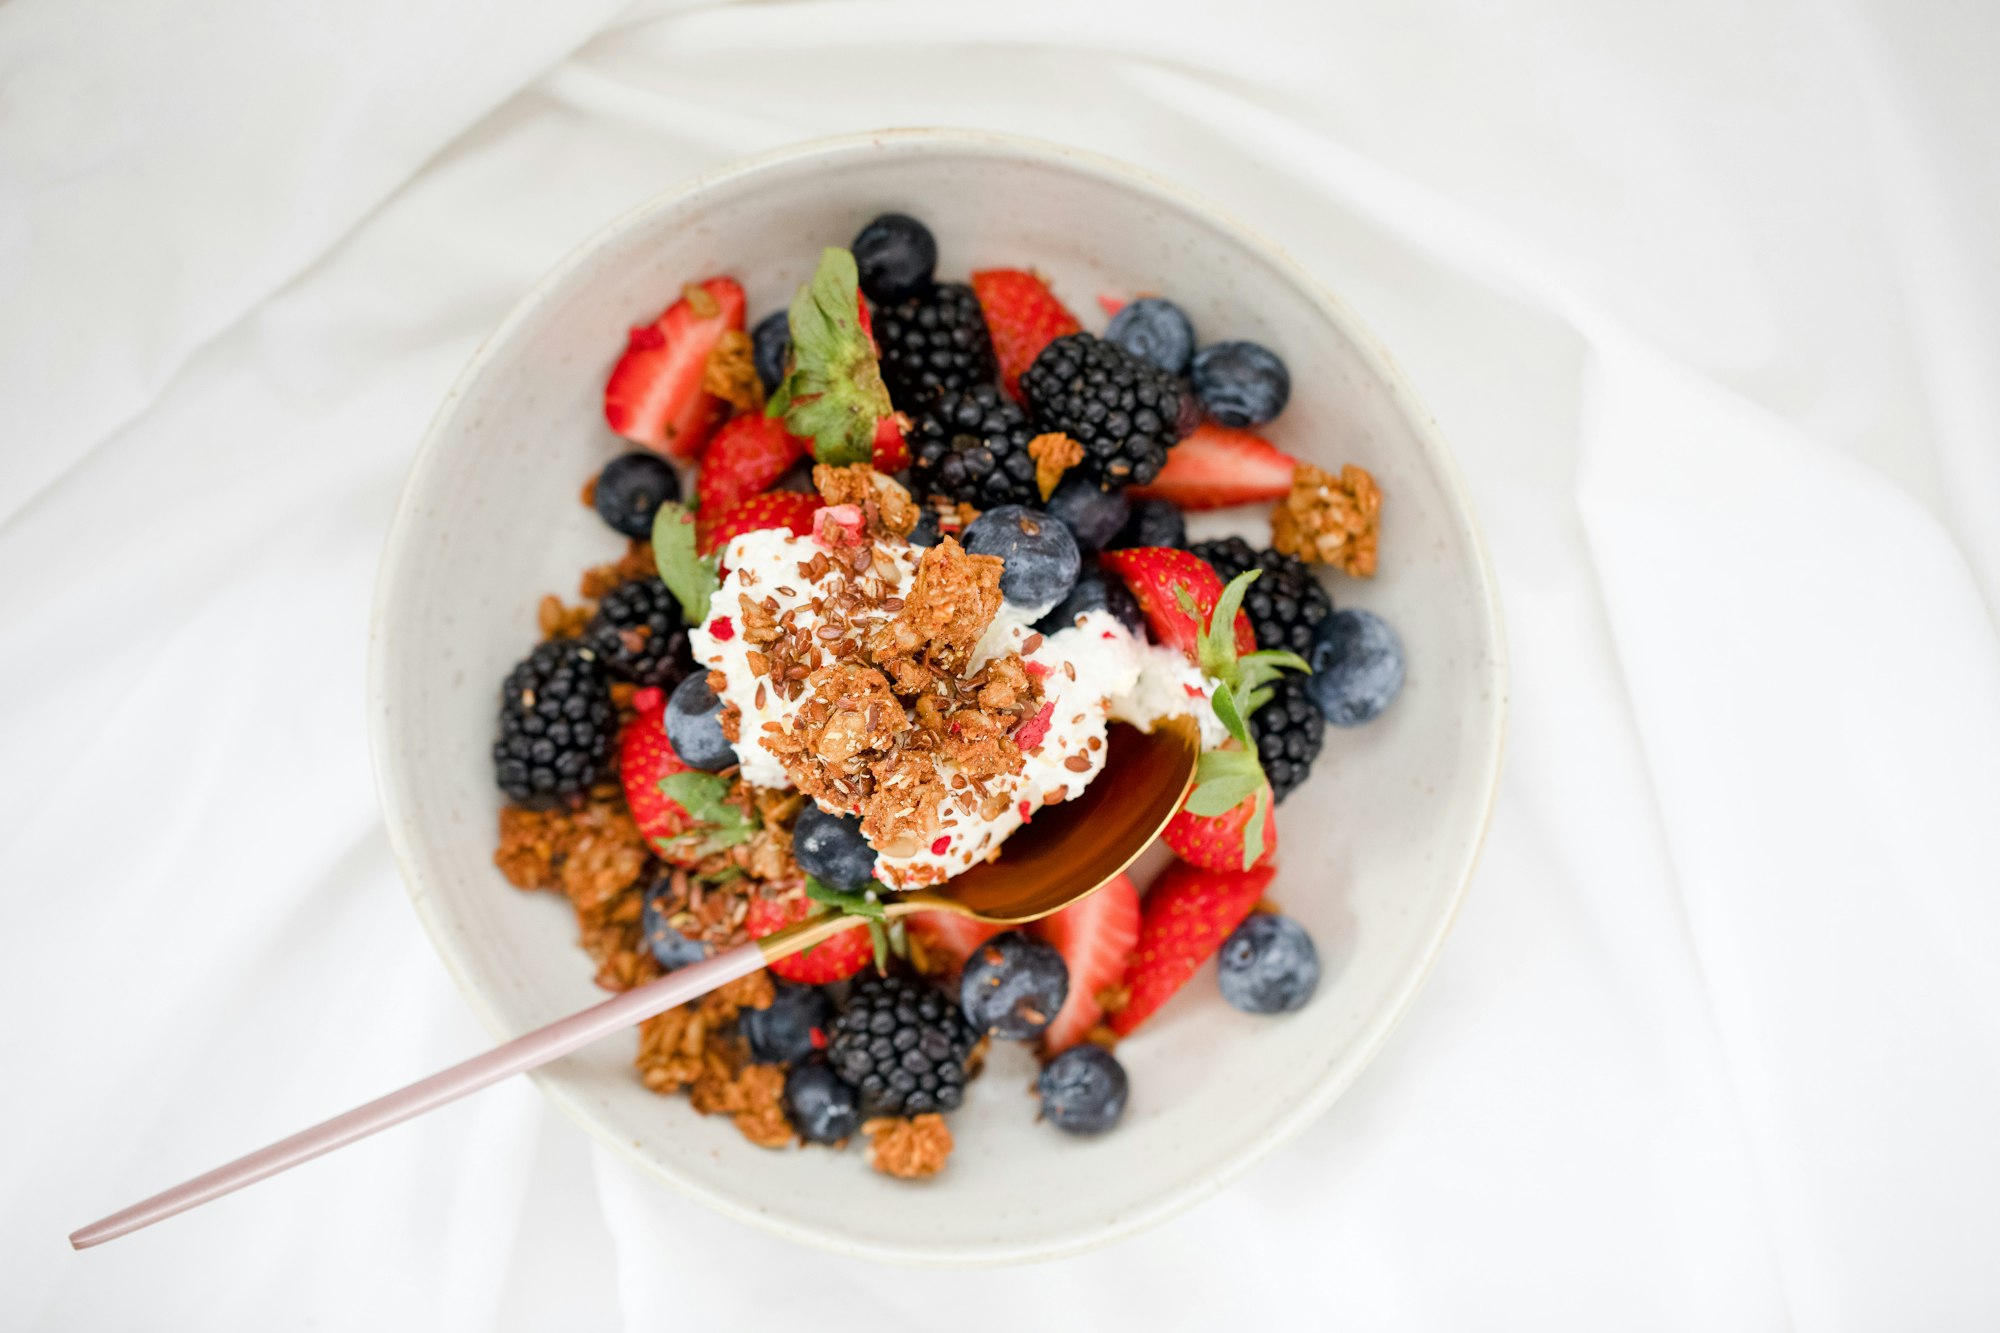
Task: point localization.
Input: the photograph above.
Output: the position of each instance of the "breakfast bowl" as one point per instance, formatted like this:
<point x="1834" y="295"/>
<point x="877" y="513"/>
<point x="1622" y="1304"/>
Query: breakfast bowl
<point x="1377" y="845"/>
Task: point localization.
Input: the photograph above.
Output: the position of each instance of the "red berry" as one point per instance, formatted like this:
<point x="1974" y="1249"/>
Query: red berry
<point x="1154" y="572"/>
<point x="1219" y="466"/>
<point x="645" y="757"/>
<point x="746" y="458"/>
<point x="1215" y="842"/>
<point x="1023" y="316"/>
<point x="655" y="395"/>
<point x="1188" y="913"/>
<point x="830" y="960"/>
<point x="1095" y="938"/>
<point x="774" y="509"/>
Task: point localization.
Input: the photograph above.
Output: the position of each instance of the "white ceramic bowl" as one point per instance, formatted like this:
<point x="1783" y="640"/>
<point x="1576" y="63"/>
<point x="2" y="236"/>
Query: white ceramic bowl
<point x="1375" y="849"/>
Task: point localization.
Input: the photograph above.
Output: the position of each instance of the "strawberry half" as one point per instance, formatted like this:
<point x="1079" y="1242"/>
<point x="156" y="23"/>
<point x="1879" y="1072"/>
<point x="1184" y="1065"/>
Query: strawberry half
<point x="775" y="509"/>
<point x="1095" y="938"/>
<point x="948" y="936"/>
<point x="1153" y="572"/>
<point x="1188" y="913"/>
<point x="654" y="396"/>
<point x="1023" y="316"/>
<point x="828" y="961"/>
<point x="746" y="458"/>
<point x="1218" y="466"/>
<point x="1215" y="842"/>
<point x="645" y="757"/>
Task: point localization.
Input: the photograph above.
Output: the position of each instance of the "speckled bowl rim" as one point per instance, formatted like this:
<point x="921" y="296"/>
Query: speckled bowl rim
<point x="405" y="527"/>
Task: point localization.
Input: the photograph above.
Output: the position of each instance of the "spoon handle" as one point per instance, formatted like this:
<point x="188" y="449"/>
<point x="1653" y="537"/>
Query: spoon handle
<point x="528" y="1051"/>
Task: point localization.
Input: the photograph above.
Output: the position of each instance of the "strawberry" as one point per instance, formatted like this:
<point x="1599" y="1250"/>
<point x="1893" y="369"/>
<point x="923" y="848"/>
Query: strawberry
<point x="1023" y="316"/>
<point x="655" y="396"/>
<point x="891" y="450"/>
<point x="774" y="509"/>
<point x="1110" y="304"/>
<point x="644" y="758"/>
<point x="1188" y="913"/>
<point x="837" y="526"/>
<point x="1095" y="938"/>
<point x="948" y="936"/>
<point x="1215" y="842"/>
<point x="746" y="458"/>
<point x="1218" y="466"/>
<point x="830" y="960"/>
<point x="1153" y="573"/>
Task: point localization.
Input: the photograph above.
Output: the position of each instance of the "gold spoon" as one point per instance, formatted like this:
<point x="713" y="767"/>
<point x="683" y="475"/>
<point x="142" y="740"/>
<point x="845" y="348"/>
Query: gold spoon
<point x="1059" y="859"/>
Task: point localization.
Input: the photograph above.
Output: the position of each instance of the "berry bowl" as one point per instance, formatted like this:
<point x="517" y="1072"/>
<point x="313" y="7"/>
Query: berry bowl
<point x="1377" y="844"/>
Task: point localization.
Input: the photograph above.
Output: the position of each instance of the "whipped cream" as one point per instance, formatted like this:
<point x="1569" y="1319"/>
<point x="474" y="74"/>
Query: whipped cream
<point x="1090" y="673"/>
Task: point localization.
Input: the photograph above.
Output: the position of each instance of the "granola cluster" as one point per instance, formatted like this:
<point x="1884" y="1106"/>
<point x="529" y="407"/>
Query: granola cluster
<point x="1331" y="520"/>
<point x="891" y="722"/>
<point x="909" y="1149"/>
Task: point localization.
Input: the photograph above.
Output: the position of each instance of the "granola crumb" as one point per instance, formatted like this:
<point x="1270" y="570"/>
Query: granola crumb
<point x="557" y="621"/>
<point x="911" y="1149"/>
<point x="731" y="372"/>
<point x="636" y="563"/>
<point x="589" y="496"/>
<point x="1331" y="520"/>
<point x="1054" y="453"/>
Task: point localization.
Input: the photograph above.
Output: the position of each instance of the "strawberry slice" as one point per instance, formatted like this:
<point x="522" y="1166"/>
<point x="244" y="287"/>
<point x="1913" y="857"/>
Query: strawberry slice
<point x="949" y="937"/>
<point x="645" y="757"/>
<point x="1023" y="316"/>
<point x="654" y="396"/>
<point x="1095" y="938"/>
<point x="775" y="509"/>
<point x="1153" y="572"/>
<point x="1188" y="913"/>
<point x="828" y="961"/>
<point x="746" y="458"/>
<point x="1218" y="466"/>
<point x="1215" y="842"/>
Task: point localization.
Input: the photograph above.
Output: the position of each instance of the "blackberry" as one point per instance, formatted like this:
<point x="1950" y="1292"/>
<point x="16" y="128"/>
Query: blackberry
<point x="933" y="342"/>
<point x="904" y="1045"/>
<point x="1289" y="730"/>
<point x="1123" y="410"/>
<point x="1284" y="605"/>
<point x="556" y="725"/>
<point x="638" y="635"/>
<point x="972" y="445"/>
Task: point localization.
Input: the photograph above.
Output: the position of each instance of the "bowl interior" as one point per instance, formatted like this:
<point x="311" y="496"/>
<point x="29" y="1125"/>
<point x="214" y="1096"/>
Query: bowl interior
<point x="1375" y="848"/>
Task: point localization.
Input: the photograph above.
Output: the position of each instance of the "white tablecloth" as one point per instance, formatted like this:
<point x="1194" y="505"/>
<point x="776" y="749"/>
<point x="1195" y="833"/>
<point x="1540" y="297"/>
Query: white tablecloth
<point x="1706" y="295"/>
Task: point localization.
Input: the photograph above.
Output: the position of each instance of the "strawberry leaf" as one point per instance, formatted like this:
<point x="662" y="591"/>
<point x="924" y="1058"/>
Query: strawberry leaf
<point x="1225" y="705"/>
<point x="846" y="901"/>
<point x="1223" y="778"/>
<point x="1253" y="829"/>
<point x="719" y="822"/>
<point x="689" y="576"/>
<point x="833" y="394"/>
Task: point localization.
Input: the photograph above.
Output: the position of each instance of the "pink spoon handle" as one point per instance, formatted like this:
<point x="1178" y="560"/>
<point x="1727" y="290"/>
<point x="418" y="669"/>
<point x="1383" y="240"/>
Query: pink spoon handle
<point x="526" y="1052"/>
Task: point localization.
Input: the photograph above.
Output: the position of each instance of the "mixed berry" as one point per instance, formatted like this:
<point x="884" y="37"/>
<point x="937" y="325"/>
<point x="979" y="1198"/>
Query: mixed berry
<point x="976" y="423"/>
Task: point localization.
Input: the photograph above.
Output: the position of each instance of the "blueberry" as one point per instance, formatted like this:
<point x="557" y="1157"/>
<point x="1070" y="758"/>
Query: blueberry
<point x="831" y="849"/>
<point x="1096" y="589"/>
<point x="783" y="1032"/>
<point x="896" y="256"/>
<point x="1093" y="516"/>
<point x="926" y="531"/>
<point x="669" y="946"/>
<point x="631" y="490"/>
<point x="1241" y="383"/>
<point x="1156" y="329"/>
<point x="1153" y="523"/>
<point x="1083" y="1090"/>
<point x="1041" y="555"/>
<point x="1357" y="664"/>
<point x="822" y="1107"/>
<point x="1013" y="985"/>
<point x="771" y="347"/>
<point x="1268" y="965"/>
<point x="694" y="725"/>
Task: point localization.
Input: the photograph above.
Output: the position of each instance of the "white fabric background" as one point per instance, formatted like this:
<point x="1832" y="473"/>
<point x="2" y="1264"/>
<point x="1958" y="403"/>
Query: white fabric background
<point x="1705" y="294"/>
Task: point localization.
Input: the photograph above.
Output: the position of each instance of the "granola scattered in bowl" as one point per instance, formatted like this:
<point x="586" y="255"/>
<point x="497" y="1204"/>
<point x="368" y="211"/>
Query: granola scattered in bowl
<point x="842" y="672"/>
